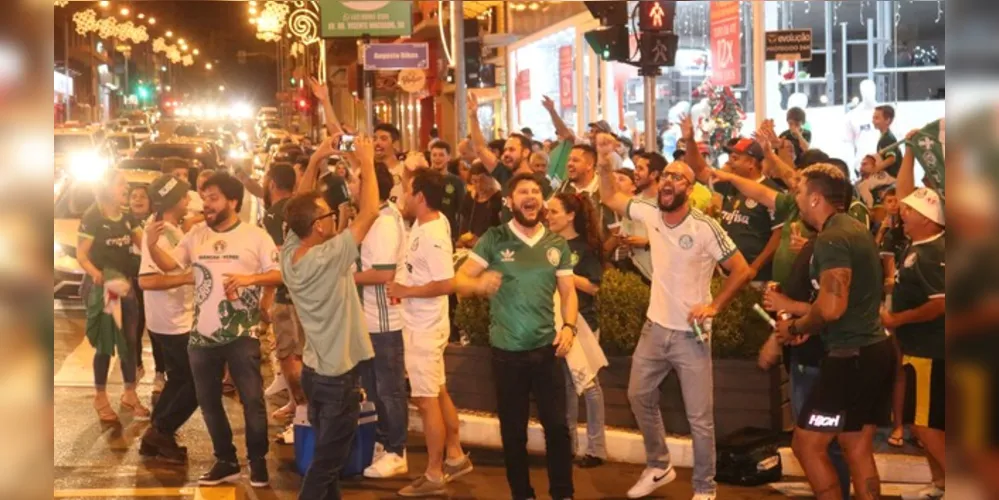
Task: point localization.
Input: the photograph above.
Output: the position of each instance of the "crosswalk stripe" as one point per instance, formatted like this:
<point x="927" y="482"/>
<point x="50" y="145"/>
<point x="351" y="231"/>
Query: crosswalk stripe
<point x="197" y="493"/>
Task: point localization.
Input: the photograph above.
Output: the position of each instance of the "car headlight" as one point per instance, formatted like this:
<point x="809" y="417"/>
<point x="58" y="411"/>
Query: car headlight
<point x="237" y="154"/>
<point x="88" y="166"/>
<point x="242" y="136"/>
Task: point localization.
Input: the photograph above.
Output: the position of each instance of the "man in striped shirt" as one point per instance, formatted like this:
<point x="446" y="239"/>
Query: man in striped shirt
<point x="384" y="377"/>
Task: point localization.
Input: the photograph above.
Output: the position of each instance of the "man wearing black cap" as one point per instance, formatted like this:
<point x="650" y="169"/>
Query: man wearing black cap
<point x="169" y="302"/>
<point x="752" y="226"/>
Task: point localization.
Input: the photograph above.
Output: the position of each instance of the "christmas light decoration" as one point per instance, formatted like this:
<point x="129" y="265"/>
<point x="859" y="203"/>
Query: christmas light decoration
<point x="272" y="20"/>
<point x="725" y="120"/>
<point x="304" y="22"/>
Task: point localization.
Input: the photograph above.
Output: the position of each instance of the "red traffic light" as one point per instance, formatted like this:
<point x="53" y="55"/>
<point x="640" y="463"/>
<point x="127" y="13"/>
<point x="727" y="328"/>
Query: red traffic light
<point x="302" y="103"/>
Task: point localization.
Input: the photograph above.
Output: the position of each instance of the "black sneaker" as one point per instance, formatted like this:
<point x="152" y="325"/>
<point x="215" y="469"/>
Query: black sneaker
<point x="589" y="462"/>
<point x="221" y="472"/>
<point x="258" y="474"/>
<point x="156" y="444"/>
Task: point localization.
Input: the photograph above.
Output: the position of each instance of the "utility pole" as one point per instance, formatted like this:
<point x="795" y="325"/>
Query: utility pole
<point x="369" y="111"/>
<point x="458" y="52"/>
<point x="69" y="79"/>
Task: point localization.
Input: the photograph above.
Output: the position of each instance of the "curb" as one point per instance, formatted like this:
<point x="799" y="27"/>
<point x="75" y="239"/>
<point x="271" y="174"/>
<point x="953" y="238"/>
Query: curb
<point x="627" y="447"/>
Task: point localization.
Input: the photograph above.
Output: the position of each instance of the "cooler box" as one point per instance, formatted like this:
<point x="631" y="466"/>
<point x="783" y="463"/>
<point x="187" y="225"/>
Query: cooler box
<point x="361" y="449"/>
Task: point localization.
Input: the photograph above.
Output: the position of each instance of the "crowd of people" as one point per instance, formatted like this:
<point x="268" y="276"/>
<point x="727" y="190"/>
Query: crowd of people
<point x="363" y="254"/>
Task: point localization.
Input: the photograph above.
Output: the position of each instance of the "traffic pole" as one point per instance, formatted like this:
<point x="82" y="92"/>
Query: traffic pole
<point x="458" y="53"/>
<point x="650" y="114"/>
<point x="369" y="110"/>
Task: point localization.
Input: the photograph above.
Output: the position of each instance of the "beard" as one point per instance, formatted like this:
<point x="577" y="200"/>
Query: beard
<point x="218" y="219"/>
<point x="679" y="200"/>
<point x="523" y="220"/>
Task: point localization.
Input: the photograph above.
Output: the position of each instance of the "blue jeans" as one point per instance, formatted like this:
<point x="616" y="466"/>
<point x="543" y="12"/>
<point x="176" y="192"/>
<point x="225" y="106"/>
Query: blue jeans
<point x="208" y="368"/>
<point x="384" y="382"/>
<point x="803" y="378"/>
<point x="334" y="407"/>
<point x="659" y="351"/>
<point x="596" y="437"/>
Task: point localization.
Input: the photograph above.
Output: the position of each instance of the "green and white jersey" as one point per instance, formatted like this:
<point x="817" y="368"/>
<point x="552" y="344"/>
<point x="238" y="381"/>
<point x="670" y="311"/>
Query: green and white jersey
<point x="749" y="224"/>
<point x="918" y="280"/>
<point x="243" y="249"/>
<point x="522" y="313"/>
<point x="382" y="250"/>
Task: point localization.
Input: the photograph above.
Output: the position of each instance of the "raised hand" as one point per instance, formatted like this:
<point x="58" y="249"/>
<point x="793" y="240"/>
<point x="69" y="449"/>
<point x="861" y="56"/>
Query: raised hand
<point x="320" y="90"/>
<point x="548" y="103"/>
<point x="153" y="231"/>
<point x="473" y="105"/>
<point x="364" y="149"/>
<point x="687" y="127"/>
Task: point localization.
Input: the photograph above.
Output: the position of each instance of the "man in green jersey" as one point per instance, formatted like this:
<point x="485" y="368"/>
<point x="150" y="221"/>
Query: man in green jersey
<point x="518" y="266"/>
<point x="853" y="393"/>
<point x="883" y="171"/>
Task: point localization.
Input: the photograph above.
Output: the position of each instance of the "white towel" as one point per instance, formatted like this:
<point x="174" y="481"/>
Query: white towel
<point x="114" y="290"/>
<point x="585" y="357"/>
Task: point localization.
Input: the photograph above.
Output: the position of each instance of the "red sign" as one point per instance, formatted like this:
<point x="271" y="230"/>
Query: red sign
<point x="522" y="89"/>
<point x="565" y="76"/>
<point x="726" y="51"/>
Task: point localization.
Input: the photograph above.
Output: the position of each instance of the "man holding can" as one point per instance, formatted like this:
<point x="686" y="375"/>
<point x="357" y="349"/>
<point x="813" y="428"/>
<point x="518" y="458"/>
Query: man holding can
<point x="686" y="246"/>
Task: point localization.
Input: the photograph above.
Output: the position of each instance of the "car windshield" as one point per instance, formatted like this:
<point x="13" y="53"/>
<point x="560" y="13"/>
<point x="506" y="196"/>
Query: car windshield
<point x="120" y="142"/>
<point x="186" y="151"/>
<point x="70" y="143"/>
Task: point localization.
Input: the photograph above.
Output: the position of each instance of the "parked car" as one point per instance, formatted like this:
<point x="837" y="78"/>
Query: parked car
<point x="121" y="144"/>
<point x="201" y="157"/>
<point x="142" y="133"/>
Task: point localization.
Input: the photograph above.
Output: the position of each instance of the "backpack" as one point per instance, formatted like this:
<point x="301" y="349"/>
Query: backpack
<point x="749" y="457"/>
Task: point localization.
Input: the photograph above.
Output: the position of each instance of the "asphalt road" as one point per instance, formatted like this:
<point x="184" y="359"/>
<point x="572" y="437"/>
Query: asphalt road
<point x="92" y="460"/>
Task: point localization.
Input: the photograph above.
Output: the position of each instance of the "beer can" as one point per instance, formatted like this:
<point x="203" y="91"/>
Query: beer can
<point x="699" y="333"/>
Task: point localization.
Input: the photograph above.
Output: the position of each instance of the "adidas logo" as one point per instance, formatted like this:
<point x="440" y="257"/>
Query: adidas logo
<point x="506" y="255"/>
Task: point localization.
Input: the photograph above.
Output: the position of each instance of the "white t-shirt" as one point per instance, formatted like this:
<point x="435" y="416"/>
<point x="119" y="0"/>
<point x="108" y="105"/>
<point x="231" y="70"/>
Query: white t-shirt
<point x="243" y="249"/>
<point x="194" y="203"/>
<point x="428" y="259"/>
<point x="683" y="261"/>
<point x="382" y="250"/>
<point x="862" y="134"/>
<point x="168" y="312"/>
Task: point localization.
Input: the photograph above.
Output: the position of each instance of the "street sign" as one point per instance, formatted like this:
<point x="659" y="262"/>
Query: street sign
<point x="339" y="19"/>
<point x="789" y="45"/>
<point x="412" y="80"/>
<point x="396" y="56"/>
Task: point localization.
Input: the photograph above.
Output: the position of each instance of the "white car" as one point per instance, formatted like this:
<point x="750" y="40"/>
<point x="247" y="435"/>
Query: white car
<point x="75" y="199"/>
<point x="142" y="133"/>
<point x="76" y="151"/>
<point x="121" y="144"/>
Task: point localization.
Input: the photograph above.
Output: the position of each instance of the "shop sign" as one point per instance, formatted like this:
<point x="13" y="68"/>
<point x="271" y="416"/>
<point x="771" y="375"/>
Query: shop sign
<point x="412" y="80"/>
<point x="340" y="19"/>
<point x="396" y="56"/>
<point x="789" y="45"/>
<point x="523" y="85"/>
<point x="726" y="49"/>
<point x="565" y="76"/>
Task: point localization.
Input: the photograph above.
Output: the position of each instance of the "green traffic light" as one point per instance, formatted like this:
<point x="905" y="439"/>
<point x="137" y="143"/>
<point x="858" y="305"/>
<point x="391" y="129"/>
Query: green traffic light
<point x="143" y="92"/>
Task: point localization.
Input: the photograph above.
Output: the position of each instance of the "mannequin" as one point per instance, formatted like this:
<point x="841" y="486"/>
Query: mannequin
<point x="672" y="133"/>
<point x="861" y="137"/>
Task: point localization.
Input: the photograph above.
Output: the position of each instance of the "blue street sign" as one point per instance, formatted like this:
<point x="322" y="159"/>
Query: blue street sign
<point x="396" y="56"/>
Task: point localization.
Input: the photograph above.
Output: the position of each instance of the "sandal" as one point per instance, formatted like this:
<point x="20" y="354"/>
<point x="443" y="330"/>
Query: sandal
<point x="897" y="441"/>
<point x="284" y="413"/>
<point x="138" y="411"/>
<point x="105" y="412"/>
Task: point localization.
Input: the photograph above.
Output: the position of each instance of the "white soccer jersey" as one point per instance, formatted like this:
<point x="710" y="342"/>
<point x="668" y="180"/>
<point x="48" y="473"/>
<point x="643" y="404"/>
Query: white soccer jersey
<point x="428" y="259"/>
<point x="382" y="250"/>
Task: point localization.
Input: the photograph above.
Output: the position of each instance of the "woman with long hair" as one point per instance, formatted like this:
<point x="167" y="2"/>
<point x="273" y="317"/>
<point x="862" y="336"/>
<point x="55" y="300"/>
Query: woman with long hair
<point x="574" y="217"/>
<point x="140" y="210"/>
<point x="104" y="251"/>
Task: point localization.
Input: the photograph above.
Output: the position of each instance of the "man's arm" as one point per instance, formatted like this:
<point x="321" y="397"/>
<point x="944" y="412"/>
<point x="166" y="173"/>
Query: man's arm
<point x="367" y="212"/>
<point x="372" y="277"/>
<point x="152" y="282"/>
<point x="310" y="177"/>
<point x="767" y="254"/>
<point x="750" y="189"/>
<point x="322" y="93"/>
<point x="431" y="290"/>
<point x="738" y="275"/>
<point x="163" y="260"/>
<point x="929" y="311"/>
<point x="561" y="129"/>
<point x="478" y="140"/>
<point x="693" y="157"/>
<point x="905" y="183"/>
<point x="584" y="285"/>
<point x="251" y="185"/>
<point x="607" y="163"/>
<point x="829" y="306"/>
<point x="883" y="164"/>
<point x="569" y="300"/>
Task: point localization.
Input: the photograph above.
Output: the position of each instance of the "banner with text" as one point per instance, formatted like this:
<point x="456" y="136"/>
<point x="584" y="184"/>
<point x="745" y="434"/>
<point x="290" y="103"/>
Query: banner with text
<point x="339" y="19"/>
<point x="565" y="77"/>
<point x="726" y="48"/>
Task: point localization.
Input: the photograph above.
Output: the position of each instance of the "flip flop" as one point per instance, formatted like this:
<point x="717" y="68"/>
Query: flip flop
<point x="896" y="441"/>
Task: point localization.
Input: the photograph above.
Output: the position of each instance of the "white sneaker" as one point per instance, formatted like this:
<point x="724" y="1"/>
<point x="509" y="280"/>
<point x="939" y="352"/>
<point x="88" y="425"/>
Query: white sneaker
<point x="378" y="453"/>
<point x="388" y="465"/>
<point x="930" y="492"/>
<point x="277" y="385"/>
<point x="652" y="479"/>
<point x="703" y="496"/>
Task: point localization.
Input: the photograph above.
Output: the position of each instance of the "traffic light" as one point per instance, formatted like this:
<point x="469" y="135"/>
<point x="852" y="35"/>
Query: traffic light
<point x="302" y="104"/>
<point x="611" y="43"/>
<point x="143" y="92"/>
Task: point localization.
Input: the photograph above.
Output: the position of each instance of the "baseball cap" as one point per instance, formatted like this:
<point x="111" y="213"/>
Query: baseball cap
<point x="927" y="203"/>
<point x="601" y="126"/>
<point x="747" y="147"/>
<point x="166" y="191"/>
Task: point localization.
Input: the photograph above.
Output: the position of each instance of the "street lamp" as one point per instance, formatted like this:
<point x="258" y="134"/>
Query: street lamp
<point x="141" y="16"/>
<point x="221" y="88"/>
<point x="124" y="11"/>
<point x="104" y="4"/>
<point x="195" y="51"/>
<point x="163" y="69"/>
<point x="169" y="88"/>
<point x="181" y="41"/>
<point x="152" y="20"/>
<point x="253" y="11"/>
<point x="209" y="66"/>
<point x="169" y="34"/>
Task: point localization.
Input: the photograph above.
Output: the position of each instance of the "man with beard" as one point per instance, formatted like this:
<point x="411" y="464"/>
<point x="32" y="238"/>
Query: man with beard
<point x="423" y="283"/>
<point x="518" y="266"/>
<point x="686" y="247"/>
<point x="454" y="188"/>
<point x="852" y="395"/>
<point x="387" y="149"/>
<point x="316" y="264"/>
<point x="631" y="243"/>
<point x="169" y="315"/>
<point x="384" y="378"/>
<point x="752" y="226"/>
<point x="918" y="320"/>
<point x="231" y="261"/>
<point x="516" y="157"/>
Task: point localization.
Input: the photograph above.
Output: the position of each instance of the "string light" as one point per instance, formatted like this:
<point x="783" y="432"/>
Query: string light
<point x="940" y="11"/>
<point x="836" y="7"/>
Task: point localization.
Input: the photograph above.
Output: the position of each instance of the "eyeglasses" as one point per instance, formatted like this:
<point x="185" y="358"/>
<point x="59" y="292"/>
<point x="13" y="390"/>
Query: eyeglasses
<point x="674" y="176"/>
<point x="321" y="217"/>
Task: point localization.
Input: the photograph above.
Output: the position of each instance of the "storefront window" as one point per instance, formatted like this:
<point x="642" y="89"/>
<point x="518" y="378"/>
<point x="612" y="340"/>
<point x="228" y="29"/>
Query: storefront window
<point x="546" y="67"/>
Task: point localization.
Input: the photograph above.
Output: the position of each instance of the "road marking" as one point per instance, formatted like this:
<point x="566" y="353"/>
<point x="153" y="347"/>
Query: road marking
<point x="797" y="490"/>
<point x="197" y="493"/>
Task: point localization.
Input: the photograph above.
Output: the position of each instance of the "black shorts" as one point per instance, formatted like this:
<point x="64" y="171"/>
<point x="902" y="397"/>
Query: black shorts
<point x="925" y="392"/>
<point x="853" y="390"/>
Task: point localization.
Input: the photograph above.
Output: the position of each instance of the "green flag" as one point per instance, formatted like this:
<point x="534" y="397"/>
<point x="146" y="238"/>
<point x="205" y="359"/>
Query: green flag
<point x="928" y="150"/>
<point x="557" y="160"/>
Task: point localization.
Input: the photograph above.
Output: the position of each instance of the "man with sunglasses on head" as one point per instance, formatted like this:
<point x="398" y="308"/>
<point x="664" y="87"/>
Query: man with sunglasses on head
<point x="316" y="265"/>
<point x="686" y="246"/>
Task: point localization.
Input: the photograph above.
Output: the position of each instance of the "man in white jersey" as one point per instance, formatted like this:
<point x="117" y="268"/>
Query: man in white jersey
<point x="423" y="283"/>
<point x="231" y="261"/>
<point x="384" y="377"/>
<point x="686" y="247"/>
<point x="169" y="303"/>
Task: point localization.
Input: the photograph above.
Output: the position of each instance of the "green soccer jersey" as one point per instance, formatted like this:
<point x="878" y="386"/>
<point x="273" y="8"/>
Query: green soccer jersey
<point x="919" y="279"/>
<point x="888" y="139"/>
<point x="112" y="241"/>
<point x="846" y="244"/>
<point x="522" y="312"/>
<point x="748" y="223"/>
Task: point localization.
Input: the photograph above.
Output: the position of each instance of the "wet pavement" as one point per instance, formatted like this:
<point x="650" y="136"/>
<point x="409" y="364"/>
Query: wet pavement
<point x="92" y="460"/>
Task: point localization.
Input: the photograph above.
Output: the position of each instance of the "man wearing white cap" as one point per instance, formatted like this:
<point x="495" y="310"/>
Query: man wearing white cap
<point x="917" y="317"/>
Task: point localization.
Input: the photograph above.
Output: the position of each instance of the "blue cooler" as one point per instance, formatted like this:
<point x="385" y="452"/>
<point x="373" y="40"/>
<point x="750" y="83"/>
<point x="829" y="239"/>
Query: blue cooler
<point x="361" y="449"/>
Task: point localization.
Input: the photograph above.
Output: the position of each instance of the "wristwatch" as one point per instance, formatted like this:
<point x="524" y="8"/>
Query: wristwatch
<point x="572" y="327"/>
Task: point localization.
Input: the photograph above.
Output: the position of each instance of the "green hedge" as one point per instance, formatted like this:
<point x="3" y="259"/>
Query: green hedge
<point x="621" y="304"/>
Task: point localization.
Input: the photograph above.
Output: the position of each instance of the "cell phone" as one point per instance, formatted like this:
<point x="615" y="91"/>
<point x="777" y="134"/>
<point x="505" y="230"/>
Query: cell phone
<point x="347" y="143"/>
<point x="159" y="216"/>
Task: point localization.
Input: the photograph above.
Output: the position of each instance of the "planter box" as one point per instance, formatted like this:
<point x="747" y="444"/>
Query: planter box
<point x="744" y="396"/>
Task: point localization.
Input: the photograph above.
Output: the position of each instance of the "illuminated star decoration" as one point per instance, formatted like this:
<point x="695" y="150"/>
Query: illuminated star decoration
<point x="272" y="20"/>
<point x="109" y="28"/>
<point x="61" y="3"/>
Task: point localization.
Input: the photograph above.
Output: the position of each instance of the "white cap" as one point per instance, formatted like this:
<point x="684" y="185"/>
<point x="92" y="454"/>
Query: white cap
<point x="927" y="203"/>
